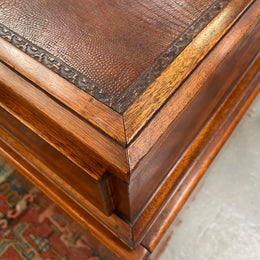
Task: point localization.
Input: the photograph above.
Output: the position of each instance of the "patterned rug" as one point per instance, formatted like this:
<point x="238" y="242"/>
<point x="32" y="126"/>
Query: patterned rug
<point x="32" y="227"/>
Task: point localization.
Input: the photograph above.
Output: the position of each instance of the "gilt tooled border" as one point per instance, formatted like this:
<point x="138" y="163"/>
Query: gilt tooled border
<point x="84" y="83"/>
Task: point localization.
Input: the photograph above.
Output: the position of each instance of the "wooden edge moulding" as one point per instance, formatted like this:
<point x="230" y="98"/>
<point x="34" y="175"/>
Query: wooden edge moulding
<point x="100" y="115"/>
<point x="125" y="176"/>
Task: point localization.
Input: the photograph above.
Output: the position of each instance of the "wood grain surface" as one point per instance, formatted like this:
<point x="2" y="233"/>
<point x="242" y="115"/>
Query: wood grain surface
<point x="155" y="128"/>
<point x="223" y="124"/>
<point x="208" y="100"/>
<point x="81" y="185"/>
<point x="57" y="194"/>
<point x="146" y="105"/>
<point x="78" y="140"/>
<point x="183" y="164"/>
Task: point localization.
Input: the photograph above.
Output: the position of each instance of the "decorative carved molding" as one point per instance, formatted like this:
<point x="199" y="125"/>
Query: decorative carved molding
<point x="118" y="104"/>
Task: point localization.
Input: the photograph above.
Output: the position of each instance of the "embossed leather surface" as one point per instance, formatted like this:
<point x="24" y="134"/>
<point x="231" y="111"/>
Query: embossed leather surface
<point x="112" y="49"/>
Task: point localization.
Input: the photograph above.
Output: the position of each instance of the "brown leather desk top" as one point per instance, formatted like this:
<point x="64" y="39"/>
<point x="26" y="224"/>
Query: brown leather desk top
<point x="114" y="49"/>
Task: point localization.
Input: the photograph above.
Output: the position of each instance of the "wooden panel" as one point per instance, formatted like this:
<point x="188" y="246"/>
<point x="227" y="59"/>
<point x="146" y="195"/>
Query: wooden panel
<point x="172" y="184"/>
<point x="79" y="141"/>
<point x="219" y="128"/>
<point x="95" y="191"/>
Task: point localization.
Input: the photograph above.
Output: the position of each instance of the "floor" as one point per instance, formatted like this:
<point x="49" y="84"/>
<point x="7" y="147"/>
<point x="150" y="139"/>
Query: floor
<point x="221" y="220"/>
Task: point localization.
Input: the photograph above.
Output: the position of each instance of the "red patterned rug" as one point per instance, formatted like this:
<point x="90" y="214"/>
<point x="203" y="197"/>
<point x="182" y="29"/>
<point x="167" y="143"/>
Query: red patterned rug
<point x="32" y="227"/>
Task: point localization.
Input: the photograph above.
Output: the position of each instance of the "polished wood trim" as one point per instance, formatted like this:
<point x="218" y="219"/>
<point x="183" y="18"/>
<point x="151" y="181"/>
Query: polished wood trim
<point x="146" y="105"/>
<point x="24" y="158"/>
<point x="155" y="128"/>
<point x="165" y="154"/>
<point x="190" y="154"/>
<point x="75" y="180"/>
<point x="73" y="208"/>
<point x="222" y="124"/>
<point x="78" y="140"/>
<point x="98" y="114"/>
<point x="47" y="177"/>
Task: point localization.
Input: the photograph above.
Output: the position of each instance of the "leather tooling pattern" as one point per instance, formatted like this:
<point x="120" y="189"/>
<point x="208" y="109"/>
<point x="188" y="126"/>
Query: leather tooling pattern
<point x="119" y="104"/>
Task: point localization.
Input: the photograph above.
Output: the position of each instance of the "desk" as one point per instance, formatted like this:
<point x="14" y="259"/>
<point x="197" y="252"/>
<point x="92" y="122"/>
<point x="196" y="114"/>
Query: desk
<point x="116" y="109"/>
